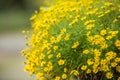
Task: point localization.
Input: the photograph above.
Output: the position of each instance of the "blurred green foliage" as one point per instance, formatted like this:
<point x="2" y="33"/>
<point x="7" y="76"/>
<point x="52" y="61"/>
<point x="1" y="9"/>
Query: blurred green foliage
<point x="21" y="4"/>
<point x="15" y="14"/>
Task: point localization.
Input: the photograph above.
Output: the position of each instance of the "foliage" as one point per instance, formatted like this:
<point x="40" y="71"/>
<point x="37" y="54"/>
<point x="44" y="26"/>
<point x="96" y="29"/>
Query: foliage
<point x="75" y="40"/>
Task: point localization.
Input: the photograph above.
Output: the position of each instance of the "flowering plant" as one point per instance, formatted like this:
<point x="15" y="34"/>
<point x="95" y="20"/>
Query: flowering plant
<point x="75" y="40"/>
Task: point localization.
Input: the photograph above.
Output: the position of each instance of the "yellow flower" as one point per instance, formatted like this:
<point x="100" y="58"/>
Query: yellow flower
<point x="90" y="26"/>
<point x="49" y="64"/>
<point x="58" y="55"/>
<point x="50" y="68"/>
<point x="83" y="18"/>
<point x="117" y="59"/>
<point x="118" y="78"/>
<point x="89" y="21"/>
<point x="42" y="78"/>
<point x="64" y="76"/>
<point x="63" y="31"/>
<point x="108" y="3"/>
<point x="113" y="64"/>
<point x="67" y="37"/>
<point x="86" y="51"/>
<point x="101" y="15"/>
<point x="109" y="37"/>
<point x="104" y="61"/>
<point x="52" y="39"/>
<point x="97" y="52"/>
<point x="26" y="68"/>
<point x="104" y="68"/>
<point x="103" y="32"/>
<point x="50" y="56"/>
<point x="90" y="62"/>
<point x="61" y="62"/>
<point x="103" y="45"/>
<point x="73" y="22"/>
<point x="109" y="75"/>
<point x="118" y="68"/>
<point x="103" y="7"/>
<point x="58" y="38"/>
<point x="110" y="55"/>
<point x="75" y="44"/>
<point x="39" y="74"/>
<point x="115" y="20"/>
<point x="108" y="11"/>
<point x="95" y="70"/>
<point x="42" y="56"/>
<point x="55" y="48"/>
<point x="119" y="16"/>
<point x="65" y="69"/>
<point x="88" y="33"/>
<point x="42" y="63"/>
<point x="74" y="72"/>
<point x="84" y="67"/>
<point x="113" y="33"/>
<point x="46" y="69"/>
<point x="23" y="31"/>
<point x="33" y="17"/>
<point x="117" y="43"/>
<point x="88" y="71"/>
<point x="57" y="78"/>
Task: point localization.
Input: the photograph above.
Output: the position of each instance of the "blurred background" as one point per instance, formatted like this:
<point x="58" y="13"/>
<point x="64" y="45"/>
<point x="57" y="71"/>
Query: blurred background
<point x="14" y="17"/>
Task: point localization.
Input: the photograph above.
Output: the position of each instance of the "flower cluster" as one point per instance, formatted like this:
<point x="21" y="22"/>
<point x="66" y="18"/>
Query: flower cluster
<point x="75" y="40"/>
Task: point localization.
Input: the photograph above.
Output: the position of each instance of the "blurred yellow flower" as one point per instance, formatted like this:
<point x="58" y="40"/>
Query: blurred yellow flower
<point x="57" y="78"/>
<point x="109" y="75"/>
<point x="88" y="71"/>
<point x="61" y="62"/>
<point x="74" y="72"/>
<point x="64" y="76"/>
<point x="86" y="51"/>
<point x="118" y="68"/>
<point x="84" y="67"/>
<point x="103" y="32"/>
<point x="75" y="44"/>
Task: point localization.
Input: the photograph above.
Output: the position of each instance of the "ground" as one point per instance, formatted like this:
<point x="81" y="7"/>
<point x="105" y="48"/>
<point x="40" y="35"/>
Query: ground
<point x="11" y="67"/>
